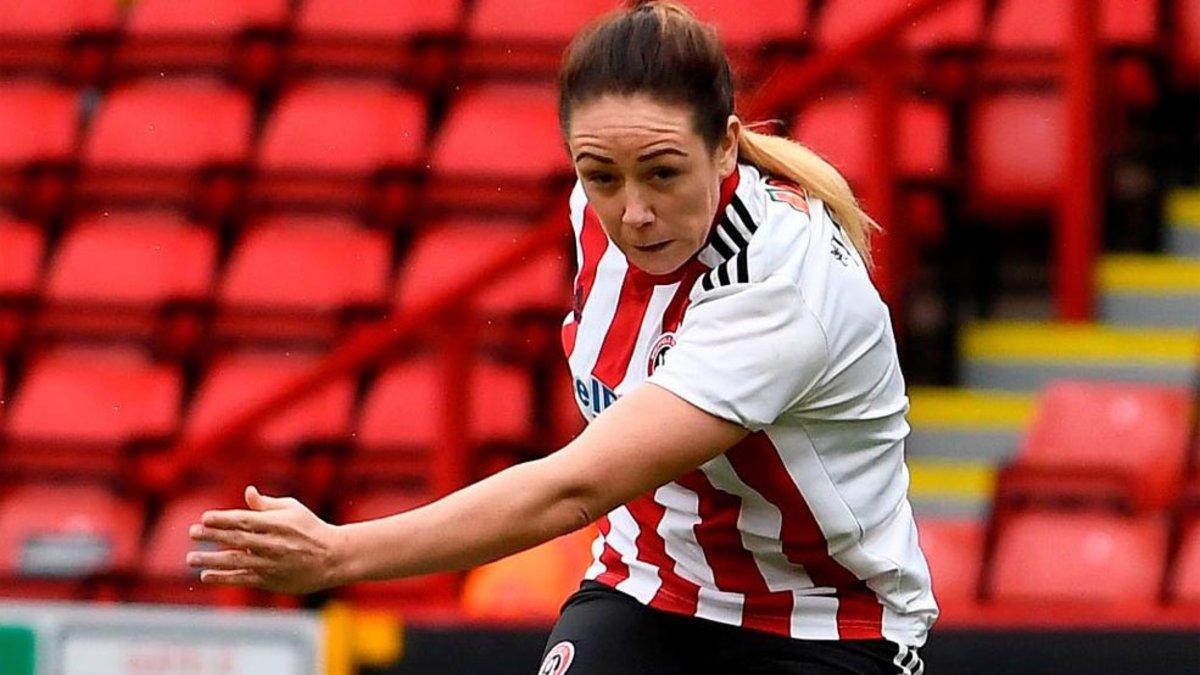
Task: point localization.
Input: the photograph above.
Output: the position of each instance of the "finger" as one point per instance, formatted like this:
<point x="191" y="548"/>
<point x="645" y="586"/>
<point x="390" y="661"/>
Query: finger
<point x="264" y="545"/>
<point x="231" y="578"/>
<point x="240" y="519"/>
<point x="226" y="560"/>
<point x="260" y="502"/>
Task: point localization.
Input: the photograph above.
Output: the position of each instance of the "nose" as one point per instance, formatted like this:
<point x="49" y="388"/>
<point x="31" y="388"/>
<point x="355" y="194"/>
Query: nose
<point x="637" y="211"/>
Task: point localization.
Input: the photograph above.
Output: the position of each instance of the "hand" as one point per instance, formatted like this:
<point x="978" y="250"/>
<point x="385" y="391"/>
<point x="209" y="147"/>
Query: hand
<point x="278" y="545"/>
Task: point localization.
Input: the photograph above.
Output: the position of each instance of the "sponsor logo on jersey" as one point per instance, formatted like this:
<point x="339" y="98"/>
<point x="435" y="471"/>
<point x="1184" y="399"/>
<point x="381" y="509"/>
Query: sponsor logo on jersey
<point x="658" y="353"/>
<point x="594" y="396"/>
<point x="787" y="193"/>
<point x="558" y="659"/>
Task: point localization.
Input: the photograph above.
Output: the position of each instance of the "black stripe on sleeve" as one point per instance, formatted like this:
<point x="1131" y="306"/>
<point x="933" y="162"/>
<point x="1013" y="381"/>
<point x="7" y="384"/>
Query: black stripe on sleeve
<point x="706" y="281"/>
<point x="720" y="244"/>
<point x="743" y="213"/>
<point x="723" y="274"/>
<point x="731" y="230"/>
<point x="743" y="267"/>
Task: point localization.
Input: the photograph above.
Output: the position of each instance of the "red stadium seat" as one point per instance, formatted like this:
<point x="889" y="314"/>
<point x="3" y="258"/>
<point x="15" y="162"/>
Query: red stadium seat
<point x="431" y="592"/>
<point x="954" y="550"/>
<point x="116" y="273"/>
<point x="1113" y="441"/>
<point x="401" y="429"/>
<point x="531" y="585"/>
<point x="1017" y="152"/>
<point x="56" y="36"/>
<point x="20" y="258"/>
<point x="524" y="39"/>
<point x="378" y="36"/>
<point x="1044" y="557"/>
<point x="163" y="140"/>
<point x="959" y="24"/>
<point x="1045" y="24"/>
<point x="183" y="34"/>
<point x="47" y="116"/>
<point x="1187" y="42"/>
<point x="327" y="140"/>
<point x="838" y="129"/>
<point x="296" y="277"/>
<point x="497" y="148"/>
<point x="449" y="251"/>
<point x="54" y="535"/>
<point x="235" y="381"/>
<point x="756" y="23"/>
<point x="116" y="396"/>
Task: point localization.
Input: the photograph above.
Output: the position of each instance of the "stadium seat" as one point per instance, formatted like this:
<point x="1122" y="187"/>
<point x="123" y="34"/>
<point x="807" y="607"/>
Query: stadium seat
<point x="163" y="574"/>
<point x="328" y="141"/>
<point x="436" y="591"/>
<point x="171" y="35"/>
<point x="1187" y="43"/>
<point x="47" y="116"/>
<point x="524" y="39"/>
<point x="1185" y="586"/>
<point x="57" y="36"/>
<point x="1017" y="150"/>
<point x="55" y="535"/>
<point x="163" y="141"/>
<point x="400" y="432"/>
<point x="837" y="128"/>
<point x="379" y="36"/>
<point x="301" y="278"/>
<point x="1045" y="24"/>
<point x="117" y="273"/>
<point x="529" y="586"/>
<point x="1121" y="442"/>
<point x="498" y="146"/>
<point x="237" y="380"/>
<point x="755" y="24"/>
<point x="115" y="396"/>
<point x="954" y="550"/>
<point x="1087" y="558"/>
<point x="957" y="25"/>
<point x="447" y="252"/>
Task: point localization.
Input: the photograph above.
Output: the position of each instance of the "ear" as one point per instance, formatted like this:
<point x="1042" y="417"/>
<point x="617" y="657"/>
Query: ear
<point x="727" y="150"/>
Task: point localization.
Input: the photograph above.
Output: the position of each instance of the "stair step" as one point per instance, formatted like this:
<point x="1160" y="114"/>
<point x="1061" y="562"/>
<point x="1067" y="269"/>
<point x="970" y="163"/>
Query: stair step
<point x="950" y="423"/>
<point x="1149" y="290"/>
<point x="1025" y="356"/>
<point x="1183" y="222"/>
<point x="941" y="488"/>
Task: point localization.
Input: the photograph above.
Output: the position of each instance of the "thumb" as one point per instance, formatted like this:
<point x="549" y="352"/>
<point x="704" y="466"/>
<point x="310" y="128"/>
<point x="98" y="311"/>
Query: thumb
<point x="260" y="502"/>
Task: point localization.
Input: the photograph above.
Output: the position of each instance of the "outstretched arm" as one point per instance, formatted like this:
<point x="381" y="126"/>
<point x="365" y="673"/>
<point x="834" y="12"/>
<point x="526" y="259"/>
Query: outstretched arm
<point x="644" y="440"/>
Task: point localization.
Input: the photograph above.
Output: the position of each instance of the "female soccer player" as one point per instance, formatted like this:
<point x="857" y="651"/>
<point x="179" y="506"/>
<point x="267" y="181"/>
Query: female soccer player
<point x="745" y="451"/>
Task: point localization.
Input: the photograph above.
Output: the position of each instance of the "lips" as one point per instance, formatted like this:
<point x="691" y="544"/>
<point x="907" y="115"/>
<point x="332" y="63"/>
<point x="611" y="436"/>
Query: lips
<point x="653" y="248"/>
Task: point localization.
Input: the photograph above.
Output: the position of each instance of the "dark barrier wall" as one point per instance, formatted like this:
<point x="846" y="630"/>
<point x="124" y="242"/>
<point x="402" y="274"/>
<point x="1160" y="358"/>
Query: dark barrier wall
<point x="496" y="652"/>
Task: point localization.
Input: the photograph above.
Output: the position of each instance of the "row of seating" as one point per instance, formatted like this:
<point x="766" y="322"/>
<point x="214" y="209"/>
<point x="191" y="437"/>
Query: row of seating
<point x="302" y="278"/>
<point x="193" y="142"/>
<point x="67" y="541"/>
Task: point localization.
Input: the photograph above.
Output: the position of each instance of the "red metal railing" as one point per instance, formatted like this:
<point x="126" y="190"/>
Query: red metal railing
<point x="784" y="92"/>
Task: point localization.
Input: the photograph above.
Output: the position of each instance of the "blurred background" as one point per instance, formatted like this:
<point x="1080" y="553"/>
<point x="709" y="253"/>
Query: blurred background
<point x="322" y="246"/>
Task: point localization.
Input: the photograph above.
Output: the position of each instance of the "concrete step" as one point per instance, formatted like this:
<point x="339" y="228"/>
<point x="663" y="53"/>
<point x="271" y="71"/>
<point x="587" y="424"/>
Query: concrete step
<point x="1025" y="356"/>
<point x="950" y="488"/>
<point x="966" y="424"/>
<point x="1149" y="290"/>
<point x="1183" y="222"/>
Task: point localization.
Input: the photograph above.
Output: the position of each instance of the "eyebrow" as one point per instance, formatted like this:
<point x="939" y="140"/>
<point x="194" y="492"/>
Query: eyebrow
<point x="642" y="158"/>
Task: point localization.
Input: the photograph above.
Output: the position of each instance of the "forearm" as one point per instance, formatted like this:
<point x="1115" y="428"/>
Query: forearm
<point x="515" y="509"/>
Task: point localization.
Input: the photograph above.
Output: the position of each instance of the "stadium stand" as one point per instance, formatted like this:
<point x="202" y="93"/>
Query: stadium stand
<point x="959" y="26"/>
<point x="31" y="162"/>
<point x="58" y="37"/>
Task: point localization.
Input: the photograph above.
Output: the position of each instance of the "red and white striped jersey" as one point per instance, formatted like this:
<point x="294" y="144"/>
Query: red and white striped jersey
<point x="804" y="529"/>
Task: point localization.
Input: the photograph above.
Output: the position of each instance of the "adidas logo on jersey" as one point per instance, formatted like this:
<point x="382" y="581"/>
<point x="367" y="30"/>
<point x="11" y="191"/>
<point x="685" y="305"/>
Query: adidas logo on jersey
<point x="594" y="396"/>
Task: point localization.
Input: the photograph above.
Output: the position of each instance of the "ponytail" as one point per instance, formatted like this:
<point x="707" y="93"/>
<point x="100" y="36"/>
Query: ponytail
<point x="787" y="159"/>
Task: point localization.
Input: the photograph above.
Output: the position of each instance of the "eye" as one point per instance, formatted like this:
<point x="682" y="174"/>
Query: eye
<point x="664" y="173"/>
<point x="599" y="178"/>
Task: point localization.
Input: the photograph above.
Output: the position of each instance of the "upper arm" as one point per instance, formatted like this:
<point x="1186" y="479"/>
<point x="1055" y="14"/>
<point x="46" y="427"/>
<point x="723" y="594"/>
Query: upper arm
<point x="645" y="439"/>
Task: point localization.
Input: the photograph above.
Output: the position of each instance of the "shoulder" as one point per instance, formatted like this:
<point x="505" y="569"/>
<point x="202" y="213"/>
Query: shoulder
<point x="766" y="227"/>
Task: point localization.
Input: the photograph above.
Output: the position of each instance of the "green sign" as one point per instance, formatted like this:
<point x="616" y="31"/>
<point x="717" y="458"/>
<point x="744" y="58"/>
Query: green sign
<point x="17" y="650"/>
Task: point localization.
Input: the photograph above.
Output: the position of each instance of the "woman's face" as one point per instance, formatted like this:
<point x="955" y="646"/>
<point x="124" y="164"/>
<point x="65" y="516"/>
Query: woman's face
<point x="650" y="177"/>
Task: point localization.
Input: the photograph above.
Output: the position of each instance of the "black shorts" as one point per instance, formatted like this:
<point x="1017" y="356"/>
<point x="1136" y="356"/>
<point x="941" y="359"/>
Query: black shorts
<point x="602" y="631"/>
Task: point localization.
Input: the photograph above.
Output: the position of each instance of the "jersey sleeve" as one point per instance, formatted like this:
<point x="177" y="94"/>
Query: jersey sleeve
<point x="746" y="352"/>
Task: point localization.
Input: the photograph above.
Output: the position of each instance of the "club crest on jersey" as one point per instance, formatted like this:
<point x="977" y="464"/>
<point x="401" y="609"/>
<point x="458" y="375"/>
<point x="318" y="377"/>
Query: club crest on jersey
<point x="594" y="396"/>
<point x="789" y="194"/>
<point x="658" y="353"/>
<point x="558" y="659"/>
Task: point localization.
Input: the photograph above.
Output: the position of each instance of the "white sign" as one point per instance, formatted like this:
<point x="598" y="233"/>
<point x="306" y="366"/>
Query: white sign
<point x="119" y="655"/>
